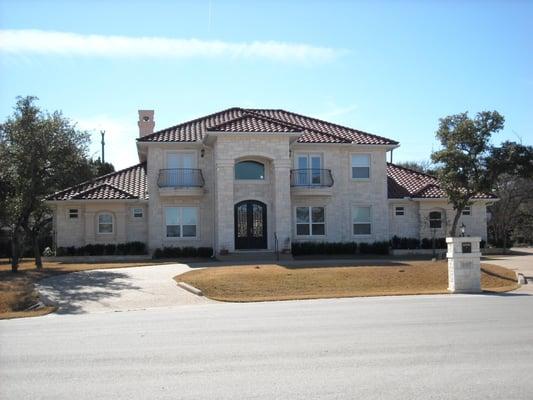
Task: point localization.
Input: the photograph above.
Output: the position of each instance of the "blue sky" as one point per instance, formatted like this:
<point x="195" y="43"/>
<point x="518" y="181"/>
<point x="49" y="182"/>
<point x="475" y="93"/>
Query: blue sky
<point x="390" y="68"/>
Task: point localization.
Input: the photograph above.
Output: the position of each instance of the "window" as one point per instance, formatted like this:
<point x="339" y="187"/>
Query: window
<point x="435" y="219"/>
<point x="310" y="221"/>
<point x="466" y="210"/>
<point x="105" y="223"/>
<point x="361" y="220"/>
<point x="137" y="212"/>
<point x="180" y="169"/>
<point x="73" y="213"/>
<point x="360" y="166"/>
<point x="309" y="169"/>
<point x="400" y="211"/>
<point x="181" y="222"/>
<point x="249" y="170"/>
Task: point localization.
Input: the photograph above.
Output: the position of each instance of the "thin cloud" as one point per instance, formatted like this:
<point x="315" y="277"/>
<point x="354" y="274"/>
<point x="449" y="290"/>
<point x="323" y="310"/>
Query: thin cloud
<point x="338" y="111"/>
<point x="74" y="44"/>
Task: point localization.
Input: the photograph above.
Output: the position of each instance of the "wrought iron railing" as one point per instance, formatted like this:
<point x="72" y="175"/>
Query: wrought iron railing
<point x="311" y="178"/>
<point x="180" y="178"/>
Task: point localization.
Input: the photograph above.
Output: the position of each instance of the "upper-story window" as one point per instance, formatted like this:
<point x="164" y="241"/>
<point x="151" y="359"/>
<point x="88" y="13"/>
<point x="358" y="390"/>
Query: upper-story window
<point x="137" y="212"/>
<point x="435" y="219"/>
<point x="309" y="169"/>
<point x="467" y="210"/>
<point x="399" y="211"/>
<point x="73" y="213"/>
<point x="249" y="170"/>
<point x="360" y="166"/>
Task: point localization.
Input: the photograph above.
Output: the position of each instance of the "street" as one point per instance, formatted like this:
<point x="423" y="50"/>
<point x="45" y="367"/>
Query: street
<point x="424" y="347"/>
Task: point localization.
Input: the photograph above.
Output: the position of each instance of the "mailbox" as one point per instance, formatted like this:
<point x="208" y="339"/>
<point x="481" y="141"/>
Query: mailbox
<point x="464" y="268"/>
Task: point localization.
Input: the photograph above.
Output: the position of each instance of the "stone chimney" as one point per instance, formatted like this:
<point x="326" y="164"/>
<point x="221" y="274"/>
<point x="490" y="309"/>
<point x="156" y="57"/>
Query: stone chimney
<point x="146" y="122"/>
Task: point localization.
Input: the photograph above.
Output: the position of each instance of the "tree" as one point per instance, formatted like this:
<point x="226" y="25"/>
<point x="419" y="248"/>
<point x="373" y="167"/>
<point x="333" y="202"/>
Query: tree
<point x="42" y="153"/>
<point x="100" y="168"/>
<point x="463" y="161"/>
<point x="511" y="167"/>
<point x="423" y="166"/>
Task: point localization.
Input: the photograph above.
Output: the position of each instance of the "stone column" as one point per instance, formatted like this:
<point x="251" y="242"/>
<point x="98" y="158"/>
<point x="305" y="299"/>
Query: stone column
<point x="224" y="206"/>
<point x="282" y="203"/>
<point x="464" y="268"/>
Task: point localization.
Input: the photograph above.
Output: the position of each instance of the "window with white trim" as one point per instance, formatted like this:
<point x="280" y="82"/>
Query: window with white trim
<point x="73" y="213"/>
<point x="467" y="210"/>
<point x="399" y="211"/>
<point x="181" y="222"/>
<point x="360" y="166"/>
<point x="310" y="221"/>
<point x="105" y="223"/>
<point x="137" y="212"/>
<point x="362" y="220"/>
<point x="435" y="219"/>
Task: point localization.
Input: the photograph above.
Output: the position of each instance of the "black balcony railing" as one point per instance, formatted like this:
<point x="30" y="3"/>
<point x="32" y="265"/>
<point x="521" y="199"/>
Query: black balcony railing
<point x="180" y="178"/>
<point x="311" y="178"/>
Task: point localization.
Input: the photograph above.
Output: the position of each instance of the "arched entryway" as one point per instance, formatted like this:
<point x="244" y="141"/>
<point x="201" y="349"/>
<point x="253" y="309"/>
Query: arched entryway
<point x="250" y="225"/>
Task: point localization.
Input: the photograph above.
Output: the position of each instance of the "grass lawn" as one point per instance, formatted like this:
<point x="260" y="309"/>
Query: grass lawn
<point x="275" y="282"/>
<point x="17" y="291"/>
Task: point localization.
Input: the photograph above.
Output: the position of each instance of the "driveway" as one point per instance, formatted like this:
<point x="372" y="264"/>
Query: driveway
<point x="105" y="290"/>
<point x="520" y="260"/>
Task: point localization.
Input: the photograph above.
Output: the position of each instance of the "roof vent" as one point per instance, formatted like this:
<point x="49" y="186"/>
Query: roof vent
<point x="146" y="122"/>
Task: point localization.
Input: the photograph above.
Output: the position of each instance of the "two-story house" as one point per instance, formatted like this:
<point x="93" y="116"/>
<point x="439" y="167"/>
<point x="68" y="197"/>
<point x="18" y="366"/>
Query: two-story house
<point x="243" y="179"/>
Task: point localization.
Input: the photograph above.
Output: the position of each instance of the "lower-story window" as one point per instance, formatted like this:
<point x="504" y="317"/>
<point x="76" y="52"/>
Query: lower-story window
<point x="362" y="221"/>
<point x="105" y="223"/>
<point x="181" y="221"/>
<point x="310" y="221"/>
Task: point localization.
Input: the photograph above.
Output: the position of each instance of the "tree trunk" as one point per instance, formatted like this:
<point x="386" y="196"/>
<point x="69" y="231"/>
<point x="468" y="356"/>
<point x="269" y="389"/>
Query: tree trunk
<point x="15" y="249"/>
<point x="37" y="251"/>
<point x="453" y="229"/>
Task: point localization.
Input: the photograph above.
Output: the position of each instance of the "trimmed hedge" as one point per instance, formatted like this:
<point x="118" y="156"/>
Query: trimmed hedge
<point x="404" y="243"/>
<point x="313" y="248"/>
<point x="176" y="252"/>
<point x="121" y="249"/>
<point x="440" y="243"/>
<point x="305" y="248"/>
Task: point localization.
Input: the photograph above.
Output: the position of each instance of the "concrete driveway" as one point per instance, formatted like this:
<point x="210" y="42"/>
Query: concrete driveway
<point x="520" y="260"/>
<point x="122" y="289"/>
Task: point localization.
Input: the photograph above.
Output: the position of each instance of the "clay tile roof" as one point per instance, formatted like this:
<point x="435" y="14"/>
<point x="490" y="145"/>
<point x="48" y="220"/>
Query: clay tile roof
<point x="265" y="120"/>
<point x="252" y="123"/>
<point x="129" y="183"/>
<point x="404" y="182"/>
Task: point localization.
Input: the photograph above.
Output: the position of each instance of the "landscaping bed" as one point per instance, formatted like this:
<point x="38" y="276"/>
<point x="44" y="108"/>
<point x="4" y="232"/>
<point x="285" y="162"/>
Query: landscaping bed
<point x="17" y="292"/>
<point x="276" y="282"/>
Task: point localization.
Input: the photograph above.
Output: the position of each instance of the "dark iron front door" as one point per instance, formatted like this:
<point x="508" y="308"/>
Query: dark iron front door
<point x="250" y="225"/>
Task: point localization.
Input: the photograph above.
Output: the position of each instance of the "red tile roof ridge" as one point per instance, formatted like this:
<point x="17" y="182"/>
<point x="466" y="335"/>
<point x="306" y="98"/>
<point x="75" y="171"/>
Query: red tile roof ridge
<point x="247" y="114"/>
<point x="101" y="185"/>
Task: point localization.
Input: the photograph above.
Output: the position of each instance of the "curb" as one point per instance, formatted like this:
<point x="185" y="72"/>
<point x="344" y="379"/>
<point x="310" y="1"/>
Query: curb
<point x="190" y="288"/>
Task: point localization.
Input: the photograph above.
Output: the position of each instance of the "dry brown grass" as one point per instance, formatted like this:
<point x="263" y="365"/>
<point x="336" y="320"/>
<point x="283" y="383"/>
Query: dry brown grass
<point x="275" y="282"/>
<point x="17" y="291"/>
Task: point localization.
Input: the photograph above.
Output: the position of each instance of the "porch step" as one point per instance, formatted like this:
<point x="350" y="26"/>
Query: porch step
<point x="254" y="256"/>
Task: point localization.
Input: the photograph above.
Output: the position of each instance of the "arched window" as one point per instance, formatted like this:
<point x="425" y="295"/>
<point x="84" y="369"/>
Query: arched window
<point x="105" y="223"/>
<point x="249" y="170"/>
<point x="435" y="219"/>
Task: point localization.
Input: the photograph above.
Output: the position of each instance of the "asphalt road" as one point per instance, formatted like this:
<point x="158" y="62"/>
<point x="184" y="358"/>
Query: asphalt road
<point x="411" y="347"/>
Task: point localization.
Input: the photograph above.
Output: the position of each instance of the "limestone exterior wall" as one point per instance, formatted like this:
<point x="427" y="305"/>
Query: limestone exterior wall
<point x="406" y="225"/>
<point x="475" y="223"/>
<point x="347" y="193"/>
<point x="156" y="160"/>
<point x="274" y="191"/>
<point x="84" y="229"/>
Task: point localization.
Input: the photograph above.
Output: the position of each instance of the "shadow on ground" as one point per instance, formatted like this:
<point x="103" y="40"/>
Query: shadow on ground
<point x="68" y="292"/>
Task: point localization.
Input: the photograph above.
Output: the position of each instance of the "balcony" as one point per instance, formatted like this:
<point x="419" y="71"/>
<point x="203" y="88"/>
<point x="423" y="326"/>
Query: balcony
<point x="181" y="182"/>
<point x="311" y="182"/>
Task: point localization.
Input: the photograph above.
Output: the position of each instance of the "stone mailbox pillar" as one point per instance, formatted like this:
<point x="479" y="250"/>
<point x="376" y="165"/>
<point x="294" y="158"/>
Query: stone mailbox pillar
<point x="464" y="270"/>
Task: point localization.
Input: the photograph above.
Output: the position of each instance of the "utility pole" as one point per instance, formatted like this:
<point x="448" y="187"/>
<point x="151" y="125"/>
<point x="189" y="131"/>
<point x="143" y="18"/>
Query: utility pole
<point x="102" y="132"/>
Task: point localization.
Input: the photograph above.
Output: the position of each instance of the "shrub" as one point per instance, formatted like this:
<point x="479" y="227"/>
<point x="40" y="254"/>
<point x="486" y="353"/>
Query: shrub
<point x="99" y="249"/>
<point x="185" y="252"/>
<point x="310" y="248"/>
<point x="404" y="243"/>
<point x="374" y="248"/>
<point x="440" y="243"/>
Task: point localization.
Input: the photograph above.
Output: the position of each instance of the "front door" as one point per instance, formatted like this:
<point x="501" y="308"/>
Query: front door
<point x="250" y="225"/>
